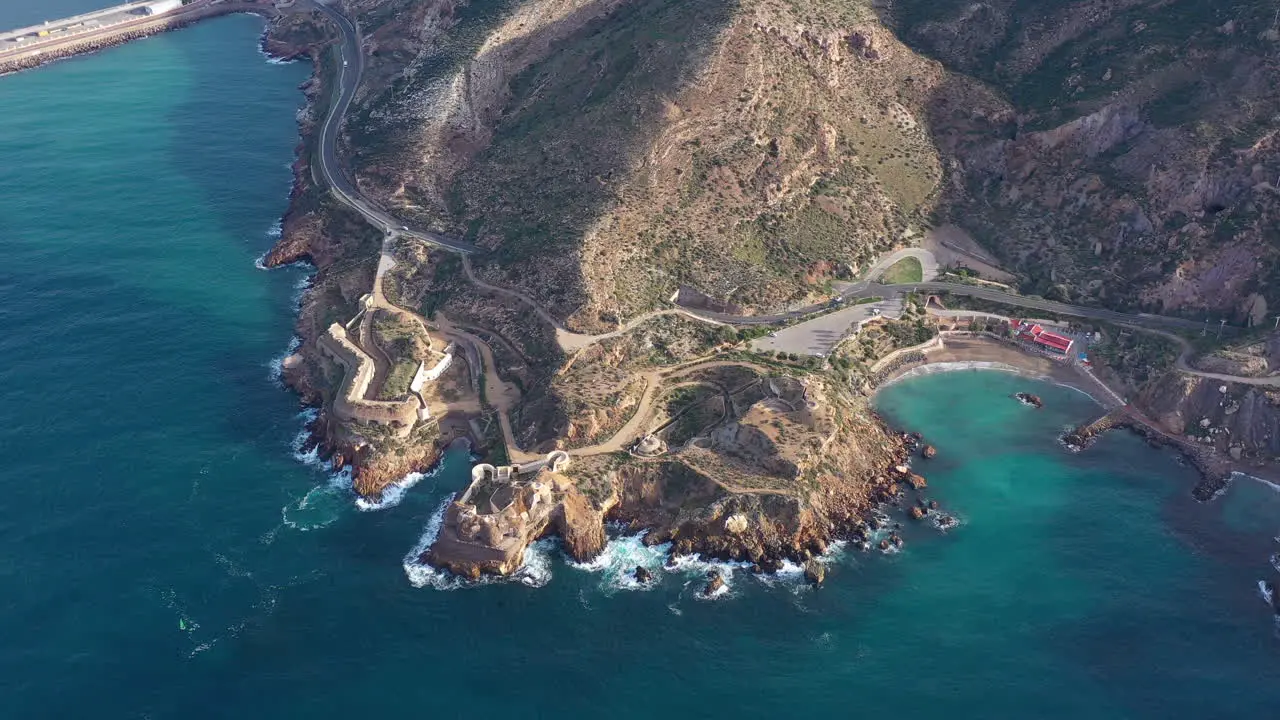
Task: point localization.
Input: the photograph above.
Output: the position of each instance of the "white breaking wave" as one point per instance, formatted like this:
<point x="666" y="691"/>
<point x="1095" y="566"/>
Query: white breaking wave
<point x="939" y="524"/>
<point x="272" y="59"/>
<point x="788" y="574"/>
<point x="322" y="504"/>
<point x="694" y="566"/>
<point x="942" y="367"/>
<point x="300" y="288"/>
<point x="274" y="233"/>
<point x="934" y="368"/>
<point x="619" y="559"/>
<point x="276" y="365"/>
<point x="1266" y="591"/>
<point x="535" y="572"/>
<point x="393" y="493"/>
<point x="310" y="458"/>
<point x="1268" y="483"/>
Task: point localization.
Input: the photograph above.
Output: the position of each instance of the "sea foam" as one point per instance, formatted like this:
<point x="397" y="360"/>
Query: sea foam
<point x="697" y="569"/>
<point x="619" y="559"/>
<point x="535" y="572"/>
<point x="393" y="493"/>
<point x="276" y="365"/>
<point x="943" y="367"/>
<point x="1268" y="483"/>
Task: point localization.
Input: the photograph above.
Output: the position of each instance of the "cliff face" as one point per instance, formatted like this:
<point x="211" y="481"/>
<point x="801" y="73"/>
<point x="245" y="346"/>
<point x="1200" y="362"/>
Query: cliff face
<point x="1130" y="159"/>
<point x="1242" y="421"/>
<point x="798" y="469"/>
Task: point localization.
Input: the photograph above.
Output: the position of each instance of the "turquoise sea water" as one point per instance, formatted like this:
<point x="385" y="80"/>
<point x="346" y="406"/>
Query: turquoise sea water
<point x="16" y="14"/>
<point x="166" y="554"/>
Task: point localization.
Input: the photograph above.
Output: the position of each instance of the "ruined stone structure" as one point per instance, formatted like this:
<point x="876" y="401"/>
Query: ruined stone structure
<point x="350" y="404"/>
<point x="488" y="527"/>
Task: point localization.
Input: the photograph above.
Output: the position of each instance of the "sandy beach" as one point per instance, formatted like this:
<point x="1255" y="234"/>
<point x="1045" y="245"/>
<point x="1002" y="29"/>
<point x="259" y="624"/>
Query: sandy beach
<point x="963" y="351"/>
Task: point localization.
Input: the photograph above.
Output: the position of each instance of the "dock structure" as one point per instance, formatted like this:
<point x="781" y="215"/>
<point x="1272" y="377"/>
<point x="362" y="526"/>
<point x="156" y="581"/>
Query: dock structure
<point x="35" y="45"/>
<point x="1082" y="435"/>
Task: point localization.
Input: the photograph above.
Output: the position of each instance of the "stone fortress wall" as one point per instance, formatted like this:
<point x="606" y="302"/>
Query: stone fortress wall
<point x="350" y="404"/>
<point x="488" y="527"/>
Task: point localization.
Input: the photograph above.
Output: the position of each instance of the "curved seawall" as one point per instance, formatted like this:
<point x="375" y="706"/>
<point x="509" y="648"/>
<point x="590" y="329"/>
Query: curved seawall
<point x="41" y="53"/>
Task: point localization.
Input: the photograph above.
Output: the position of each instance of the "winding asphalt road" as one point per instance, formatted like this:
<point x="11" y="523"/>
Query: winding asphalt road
<point x="330" y="168"/>
<point x="870" y="289"/>
<point x="331" y="174"/>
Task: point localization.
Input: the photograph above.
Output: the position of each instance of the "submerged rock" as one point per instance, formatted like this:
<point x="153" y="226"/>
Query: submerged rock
<point x="917" y="481"/>
<point x="917" y="512"/>
<point x="643" y="576"/>
<point x="929" y="452"/>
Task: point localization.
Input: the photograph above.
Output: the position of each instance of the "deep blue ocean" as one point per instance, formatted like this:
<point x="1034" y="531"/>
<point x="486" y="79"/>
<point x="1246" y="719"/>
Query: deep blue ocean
<point x="168" y="554"/>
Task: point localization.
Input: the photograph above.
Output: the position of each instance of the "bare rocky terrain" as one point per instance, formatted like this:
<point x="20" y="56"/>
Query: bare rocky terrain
<point x="1126" y="154"/>
<point x="610" y="155"/>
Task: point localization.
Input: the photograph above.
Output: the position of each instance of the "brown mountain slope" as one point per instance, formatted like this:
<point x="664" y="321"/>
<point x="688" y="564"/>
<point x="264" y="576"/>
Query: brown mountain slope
<point x="1134" y="161"/>
<point x="610" y="153"/>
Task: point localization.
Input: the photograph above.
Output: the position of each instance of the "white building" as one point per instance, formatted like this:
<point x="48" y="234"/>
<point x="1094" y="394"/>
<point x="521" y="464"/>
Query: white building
<point x="161" y="7"/>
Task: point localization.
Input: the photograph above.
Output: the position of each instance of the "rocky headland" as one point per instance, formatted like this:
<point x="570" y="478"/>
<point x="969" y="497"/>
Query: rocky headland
<point x="592" y="178"/>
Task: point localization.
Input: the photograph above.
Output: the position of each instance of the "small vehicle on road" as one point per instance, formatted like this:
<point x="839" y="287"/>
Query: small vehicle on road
<point x="344" y="63"/>
<point x="875" y="311"/>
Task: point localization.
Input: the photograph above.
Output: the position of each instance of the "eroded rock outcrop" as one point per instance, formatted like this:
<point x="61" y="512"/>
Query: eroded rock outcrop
<point x="487" y="529"/>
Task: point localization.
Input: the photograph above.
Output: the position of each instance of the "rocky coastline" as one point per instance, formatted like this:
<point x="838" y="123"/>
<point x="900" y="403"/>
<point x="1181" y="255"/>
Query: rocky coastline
<point x="828" y="481"/>
<point x="693" y="515"/>
<point x="310" y="230"/>
<point x="1214" y="470"/>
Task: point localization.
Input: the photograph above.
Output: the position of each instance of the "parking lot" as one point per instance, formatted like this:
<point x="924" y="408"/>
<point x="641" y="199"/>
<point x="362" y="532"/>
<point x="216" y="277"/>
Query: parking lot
<point x="820" y="335"/>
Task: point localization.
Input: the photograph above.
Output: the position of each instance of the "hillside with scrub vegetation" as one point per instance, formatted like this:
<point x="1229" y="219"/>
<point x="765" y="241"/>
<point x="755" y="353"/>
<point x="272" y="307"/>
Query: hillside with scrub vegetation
<point x="1127" y="155"/>
<point x="609" y="154"/>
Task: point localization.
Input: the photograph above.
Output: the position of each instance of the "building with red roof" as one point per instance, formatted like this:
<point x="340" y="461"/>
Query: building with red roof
<point x="1054" y="342"/>
<point x="1035" y="333"/>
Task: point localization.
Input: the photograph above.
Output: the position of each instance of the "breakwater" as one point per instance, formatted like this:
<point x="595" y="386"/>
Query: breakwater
<point x="47" y="52"/>
<point x="1215" y="472"/>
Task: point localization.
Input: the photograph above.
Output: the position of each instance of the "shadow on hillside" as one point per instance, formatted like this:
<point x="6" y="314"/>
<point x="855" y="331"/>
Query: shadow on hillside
<point x="573" y="132"/>
<point x="1169" y="99"/>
